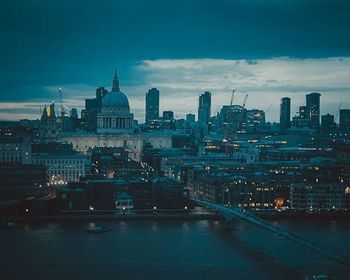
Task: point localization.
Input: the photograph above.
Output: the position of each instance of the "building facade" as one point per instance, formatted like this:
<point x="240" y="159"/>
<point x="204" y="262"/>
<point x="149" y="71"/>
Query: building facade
<point x="313" y="109"/>
<point x="115" y="116"/>
<point x="204" y="108"/>
<point x="285" y="113"/>
<point x="152" y="105"/>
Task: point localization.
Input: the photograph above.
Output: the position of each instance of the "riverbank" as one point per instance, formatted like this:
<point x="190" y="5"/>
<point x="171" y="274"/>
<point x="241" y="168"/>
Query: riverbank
<point x="111" y="217"/>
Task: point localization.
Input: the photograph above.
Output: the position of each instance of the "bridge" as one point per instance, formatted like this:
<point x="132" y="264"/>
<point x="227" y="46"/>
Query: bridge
<point x="231" y="213"/>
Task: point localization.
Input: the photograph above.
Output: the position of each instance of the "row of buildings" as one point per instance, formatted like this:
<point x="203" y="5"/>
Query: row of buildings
<point x="233" y="158"/>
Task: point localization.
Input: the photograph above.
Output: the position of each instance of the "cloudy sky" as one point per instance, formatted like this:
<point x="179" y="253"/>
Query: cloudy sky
<point x="268" y="49"/>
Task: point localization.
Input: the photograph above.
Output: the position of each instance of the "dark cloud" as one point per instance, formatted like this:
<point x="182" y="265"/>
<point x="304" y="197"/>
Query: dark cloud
<point x="46" y="43"/>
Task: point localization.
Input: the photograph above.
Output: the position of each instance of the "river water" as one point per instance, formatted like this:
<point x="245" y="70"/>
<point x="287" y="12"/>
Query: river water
<point x="170" y="250"/>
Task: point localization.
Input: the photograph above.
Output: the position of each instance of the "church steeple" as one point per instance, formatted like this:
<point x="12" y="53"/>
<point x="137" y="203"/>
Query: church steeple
<point x="115" y="81"/>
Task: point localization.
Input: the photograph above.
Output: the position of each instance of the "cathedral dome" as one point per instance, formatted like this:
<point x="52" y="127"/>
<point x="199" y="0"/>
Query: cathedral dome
<point x="115" y="99"/>
<point x="115" y="116"/>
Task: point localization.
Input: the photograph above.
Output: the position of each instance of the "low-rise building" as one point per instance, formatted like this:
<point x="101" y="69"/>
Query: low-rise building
<point x="63" y="164"/>
<point x="318" y="197"/>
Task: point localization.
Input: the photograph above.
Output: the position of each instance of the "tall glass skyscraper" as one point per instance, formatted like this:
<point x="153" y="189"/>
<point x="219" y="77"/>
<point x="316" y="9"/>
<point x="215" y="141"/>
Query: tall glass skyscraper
<point x="313" y="109"/>
<point x="285" y="113"/>
<point x="152" y="105"/>
<point x="204" y="108"/>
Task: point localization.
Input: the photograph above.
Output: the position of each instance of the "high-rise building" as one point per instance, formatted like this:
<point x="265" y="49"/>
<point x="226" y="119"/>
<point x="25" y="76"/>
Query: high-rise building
<point x="168" y="115"/>
<point x="285" y="113"/>
<point x="190" y="120"/>
<point x="204" y="108"/>
<point x="100" y="93"/>
<point x="303" y="112"/>
<point x="344" y="121"/>
<point x="327" y="122"/>
<point x="255" y="119"/>
<point x="89" y="114"/>
<point x="313" y="109"/>
<point x="152" y="105"/>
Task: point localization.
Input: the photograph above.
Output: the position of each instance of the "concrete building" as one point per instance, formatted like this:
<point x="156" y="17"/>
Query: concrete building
<point x="317" y="197"/>
<point x="63" y="164"/>
<point x="15" y="149"/>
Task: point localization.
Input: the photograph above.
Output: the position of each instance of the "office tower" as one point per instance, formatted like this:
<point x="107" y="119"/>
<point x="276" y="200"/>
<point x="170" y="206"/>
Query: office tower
<point x="152" y="105"/>
<point x="89" y="114"/>
<point x="344" y="120"/>
<point x="303" y="112"/>
<point x="190" y="118"/>
<point x="74" y="113"/>
<point x="313" y="109"/>
<point x="190" y="121"/>
<point x="285" y="113"/>
<point x="204" y="108"/>
<point x="168" y="115"/>
<point x="327" y="122"/>
<point x="255" y="119"/>
<point x="100" y="93"/>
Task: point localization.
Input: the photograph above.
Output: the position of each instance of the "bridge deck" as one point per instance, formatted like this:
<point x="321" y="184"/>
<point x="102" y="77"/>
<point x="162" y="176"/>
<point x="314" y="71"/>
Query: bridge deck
<point x="230" y="212"/>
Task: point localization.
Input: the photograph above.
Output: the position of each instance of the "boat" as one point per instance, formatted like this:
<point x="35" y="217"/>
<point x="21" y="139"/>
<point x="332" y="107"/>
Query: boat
<point x="98" y="230"/>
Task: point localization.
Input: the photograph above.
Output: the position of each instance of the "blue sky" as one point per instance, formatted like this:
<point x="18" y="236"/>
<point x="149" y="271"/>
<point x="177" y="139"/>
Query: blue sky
<point x="269" y="49"/>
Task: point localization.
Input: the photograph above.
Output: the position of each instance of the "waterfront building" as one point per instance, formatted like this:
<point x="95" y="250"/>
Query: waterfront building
<point x="317" y="197"/>
<point x="152" y="105"/>
<point x="22" y="181"/>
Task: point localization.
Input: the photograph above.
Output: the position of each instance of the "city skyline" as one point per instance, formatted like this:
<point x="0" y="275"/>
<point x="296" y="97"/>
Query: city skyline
<point x="183" y="49"/>
<point x="264" y="92"/>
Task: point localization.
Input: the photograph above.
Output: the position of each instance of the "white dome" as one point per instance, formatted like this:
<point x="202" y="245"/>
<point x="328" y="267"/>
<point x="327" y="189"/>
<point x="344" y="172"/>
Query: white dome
<point x="115" y="99"/>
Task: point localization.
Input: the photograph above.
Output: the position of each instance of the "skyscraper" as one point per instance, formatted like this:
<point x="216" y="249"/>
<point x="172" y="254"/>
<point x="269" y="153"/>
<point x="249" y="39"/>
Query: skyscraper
<point x="100" y="93"/>
<point x="344" y="120"/>
<point x="204" y="108"/>
<point x="152" y="105"/>
<point x="285" y="113"/>
<point x="168" y="115"/>
<point x="313" y="109"/>
<point x="303" y="112"/>
<point x="327" y="122"/>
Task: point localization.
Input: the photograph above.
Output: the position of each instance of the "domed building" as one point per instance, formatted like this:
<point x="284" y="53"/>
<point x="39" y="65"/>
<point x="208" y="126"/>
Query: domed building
<point x="115" y="116"/>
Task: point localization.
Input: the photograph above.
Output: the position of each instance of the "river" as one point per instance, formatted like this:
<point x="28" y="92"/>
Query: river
<point x="170" y="250"/>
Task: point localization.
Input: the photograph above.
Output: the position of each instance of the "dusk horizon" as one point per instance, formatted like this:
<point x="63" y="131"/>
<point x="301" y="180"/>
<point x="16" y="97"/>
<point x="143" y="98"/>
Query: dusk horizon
<point x="219" y="50"/>
<point x="182" y="139"/>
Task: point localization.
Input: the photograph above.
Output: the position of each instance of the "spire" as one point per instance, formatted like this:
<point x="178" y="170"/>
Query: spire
<point x="45" y="112"/>
<point x="115" y="81"/>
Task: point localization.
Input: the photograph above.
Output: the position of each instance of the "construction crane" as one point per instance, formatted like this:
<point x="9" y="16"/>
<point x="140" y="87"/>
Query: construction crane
<point x="232" y="96"/>
<point x="268" y="108"/>
<point x="240" y="119"/>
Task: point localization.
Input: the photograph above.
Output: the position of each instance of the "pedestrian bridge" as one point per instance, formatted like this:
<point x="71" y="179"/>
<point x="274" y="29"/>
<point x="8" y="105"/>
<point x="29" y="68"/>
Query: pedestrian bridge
<point x="231" y="213"/>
